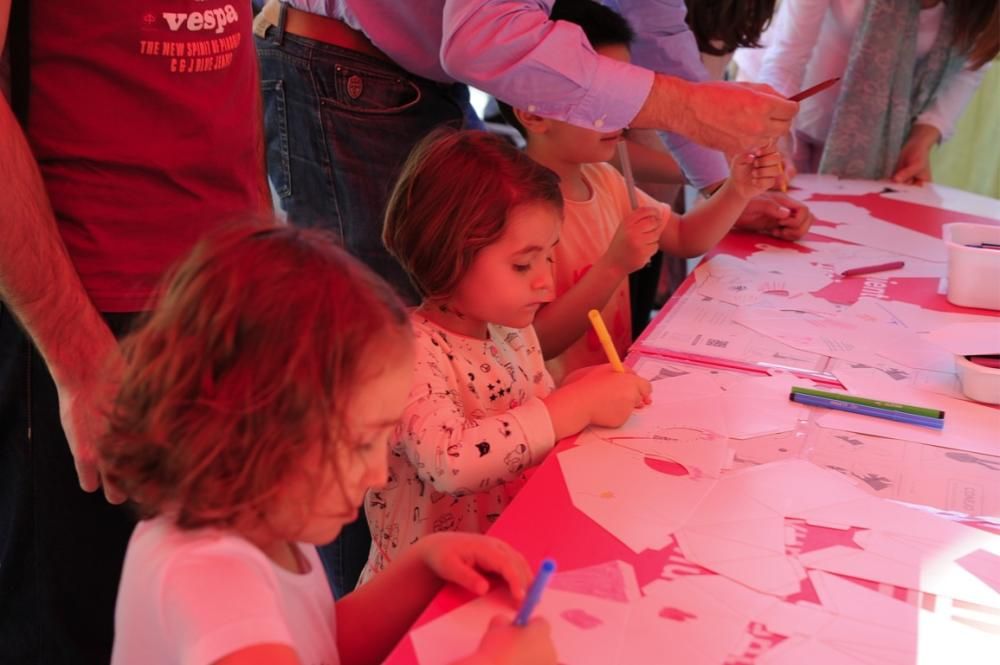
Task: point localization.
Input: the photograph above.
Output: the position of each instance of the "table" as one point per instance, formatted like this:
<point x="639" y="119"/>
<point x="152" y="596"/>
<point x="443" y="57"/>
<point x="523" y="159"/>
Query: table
<point x="543" y="520"/>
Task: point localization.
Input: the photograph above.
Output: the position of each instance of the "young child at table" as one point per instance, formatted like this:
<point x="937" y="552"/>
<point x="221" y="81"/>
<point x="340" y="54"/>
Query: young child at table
<point x="603" y="239"/>
<point x="474" y="222"/>
<point x="253" y="415"/>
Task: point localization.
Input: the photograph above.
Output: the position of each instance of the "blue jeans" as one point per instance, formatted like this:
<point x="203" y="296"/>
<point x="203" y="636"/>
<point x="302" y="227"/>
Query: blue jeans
<point x="339" y="125"/>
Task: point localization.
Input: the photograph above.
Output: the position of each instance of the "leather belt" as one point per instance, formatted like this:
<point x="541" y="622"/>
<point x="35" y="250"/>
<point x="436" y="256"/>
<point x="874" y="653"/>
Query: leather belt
<point x="313" y="26"/>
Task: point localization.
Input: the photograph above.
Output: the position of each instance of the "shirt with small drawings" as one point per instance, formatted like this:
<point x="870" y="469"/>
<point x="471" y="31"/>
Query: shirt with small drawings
<point x="474" y="422"/>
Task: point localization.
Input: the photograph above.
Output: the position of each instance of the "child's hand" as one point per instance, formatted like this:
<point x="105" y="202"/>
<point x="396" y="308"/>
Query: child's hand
<point x="636" y="240"/>
<point x="579" y="373"/>
<point x="612" y="396"/>
<point x="461" y="558"/>
<point x="750" y="175"/>
<point x="507" y="644"/>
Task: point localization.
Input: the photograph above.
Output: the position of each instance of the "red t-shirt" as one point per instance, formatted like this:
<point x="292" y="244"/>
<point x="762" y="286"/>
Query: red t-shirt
<point x="143" y="118"/>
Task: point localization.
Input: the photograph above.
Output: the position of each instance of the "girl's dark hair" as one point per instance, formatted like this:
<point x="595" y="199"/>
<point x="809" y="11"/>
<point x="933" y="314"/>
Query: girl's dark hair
<point x="735" y="23"/>
<point x="453" y="198"/>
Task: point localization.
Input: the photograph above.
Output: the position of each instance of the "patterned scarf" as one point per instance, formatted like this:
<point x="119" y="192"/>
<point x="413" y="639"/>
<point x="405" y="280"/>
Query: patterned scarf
<point x="881" y="94"/>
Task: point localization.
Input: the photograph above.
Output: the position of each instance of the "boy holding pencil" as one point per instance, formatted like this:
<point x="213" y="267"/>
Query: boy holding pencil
<point x="604" y="237"/>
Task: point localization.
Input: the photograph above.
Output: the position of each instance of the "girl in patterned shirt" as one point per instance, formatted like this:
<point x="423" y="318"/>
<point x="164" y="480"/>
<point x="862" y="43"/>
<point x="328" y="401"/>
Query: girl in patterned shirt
<point x="474" y="222"/>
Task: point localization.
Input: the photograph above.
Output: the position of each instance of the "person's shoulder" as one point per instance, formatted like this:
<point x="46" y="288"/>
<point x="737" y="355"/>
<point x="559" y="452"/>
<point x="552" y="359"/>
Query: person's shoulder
<point x="165" y="546"/>
<point x="520" y="340"/>
<point x="604" y="172"/>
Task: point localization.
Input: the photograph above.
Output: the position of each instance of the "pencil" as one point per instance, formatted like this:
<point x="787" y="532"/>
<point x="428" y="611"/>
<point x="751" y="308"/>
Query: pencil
<point x="781" y="176"/>
<point x="851" y="407"/>
<point x="809" y="92"/>
<point x="864" y="270"/>
<point x="876" y="403"/>
<point x="535" y="592"/>
<point x="602" y="334"/>
<point x="627" y="172"/>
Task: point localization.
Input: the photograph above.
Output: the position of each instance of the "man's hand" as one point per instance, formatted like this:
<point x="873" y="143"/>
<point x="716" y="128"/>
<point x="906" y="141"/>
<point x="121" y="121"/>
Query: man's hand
<point x="84" y="409"/>
<point x="776" y="214"/>
<point x="731" y="117"/>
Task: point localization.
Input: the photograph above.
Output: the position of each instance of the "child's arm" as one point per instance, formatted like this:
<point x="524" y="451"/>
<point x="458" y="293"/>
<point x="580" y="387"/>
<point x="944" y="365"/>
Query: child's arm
<point x="451" y="444"/>
<point x="563" y="321"/>
<point x="372" y="619"/>
<point x="699" y="230"/>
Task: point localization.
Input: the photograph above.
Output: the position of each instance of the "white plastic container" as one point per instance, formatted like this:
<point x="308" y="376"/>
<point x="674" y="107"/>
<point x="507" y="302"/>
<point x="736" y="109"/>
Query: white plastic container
<point x="973" y="272"/>
<point x="978" y="382"/>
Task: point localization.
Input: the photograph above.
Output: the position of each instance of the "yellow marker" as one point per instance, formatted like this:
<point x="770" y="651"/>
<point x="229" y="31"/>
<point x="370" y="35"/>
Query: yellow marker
<point x="602" y="334"/>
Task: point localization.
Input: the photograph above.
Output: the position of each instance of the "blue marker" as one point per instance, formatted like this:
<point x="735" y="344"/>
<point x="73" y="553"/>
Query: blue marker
<point x="851" y="407"/>
<point x="535" y="592"/>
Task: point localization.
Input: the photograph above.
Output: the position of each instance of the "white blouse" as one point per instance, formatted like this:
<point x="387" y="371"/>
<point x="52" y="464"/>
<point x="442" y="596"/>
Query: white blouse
<point x="810" y="41"/>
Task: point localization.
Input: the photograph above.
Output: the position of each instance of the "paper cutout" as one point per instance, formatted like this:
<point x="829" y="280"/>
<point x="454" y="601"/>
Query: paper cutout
<point x="714" y="405"/>
<point x="740" y="282"/>
<point x="585" y="628"/>
<point x="708" y="328"/>
<point x="984" y="565"/>
<point x="614" y="580"/>
<point x="838" y="257"/>
<point x="968" y="426"/>
<point x="637" y="505"/>
<point x="852" y="223"/>
<point x="917" y="473"/>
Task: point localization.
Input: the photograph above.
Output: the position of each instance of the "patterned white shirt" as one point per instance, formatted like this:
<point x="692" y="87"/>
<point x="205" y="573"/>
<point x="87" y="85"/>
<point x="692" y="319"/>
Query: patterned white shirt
<point x="474" y="422"/>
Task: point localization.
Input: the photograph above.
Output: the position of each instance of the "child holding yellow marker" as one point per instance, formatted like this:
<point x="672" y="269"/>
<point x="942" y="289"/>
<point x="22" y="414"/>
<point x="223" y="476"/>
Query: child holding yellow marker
<point x="474" y="222"/>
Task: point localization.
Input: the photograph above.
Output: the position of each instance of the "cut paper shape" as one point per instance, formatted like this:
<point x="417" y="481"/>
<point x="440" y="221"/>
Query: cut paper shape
<point x="701" y="328"/>
<point x="838" y="257"/>
<point x="731" y="406"/>
<point x="917" y="473"/>
<point x="904" y="546"/>
<point x="692" y="629"/>
<point x="849" y="338"/>
<point x="946" y="580"/>
<point x="701" y="453"/>
<point x="636" y="504"/>
<point x="968" y="426"/>
<point x="585" y="628"/>
<point x="852" y="223"/>
<point x="984" y="565"/>
<point x="738" y="530"/>
<point x="581" y="619"/>
<point x="614" y="580"/>
<point x="740" y="282"/>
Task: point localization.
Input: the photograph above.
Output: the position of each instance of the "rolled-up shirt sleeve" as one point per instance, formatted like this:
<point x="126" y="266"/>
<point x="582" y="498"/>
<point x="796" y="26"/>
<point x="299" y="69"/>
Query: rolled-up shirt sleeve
<point x="665" y="44"/>
<point x="512" y="50"/>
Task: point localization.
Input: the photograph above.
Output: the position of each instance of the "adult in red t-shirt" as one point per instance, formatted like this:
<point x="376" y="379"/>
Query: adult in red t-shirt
<point x="142" y="133"/>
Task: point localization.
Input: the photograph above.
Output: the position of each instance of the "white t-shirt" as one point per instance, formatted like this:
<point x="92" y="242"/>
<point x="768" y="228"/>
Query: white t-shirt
<point x="193" y="597"/>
